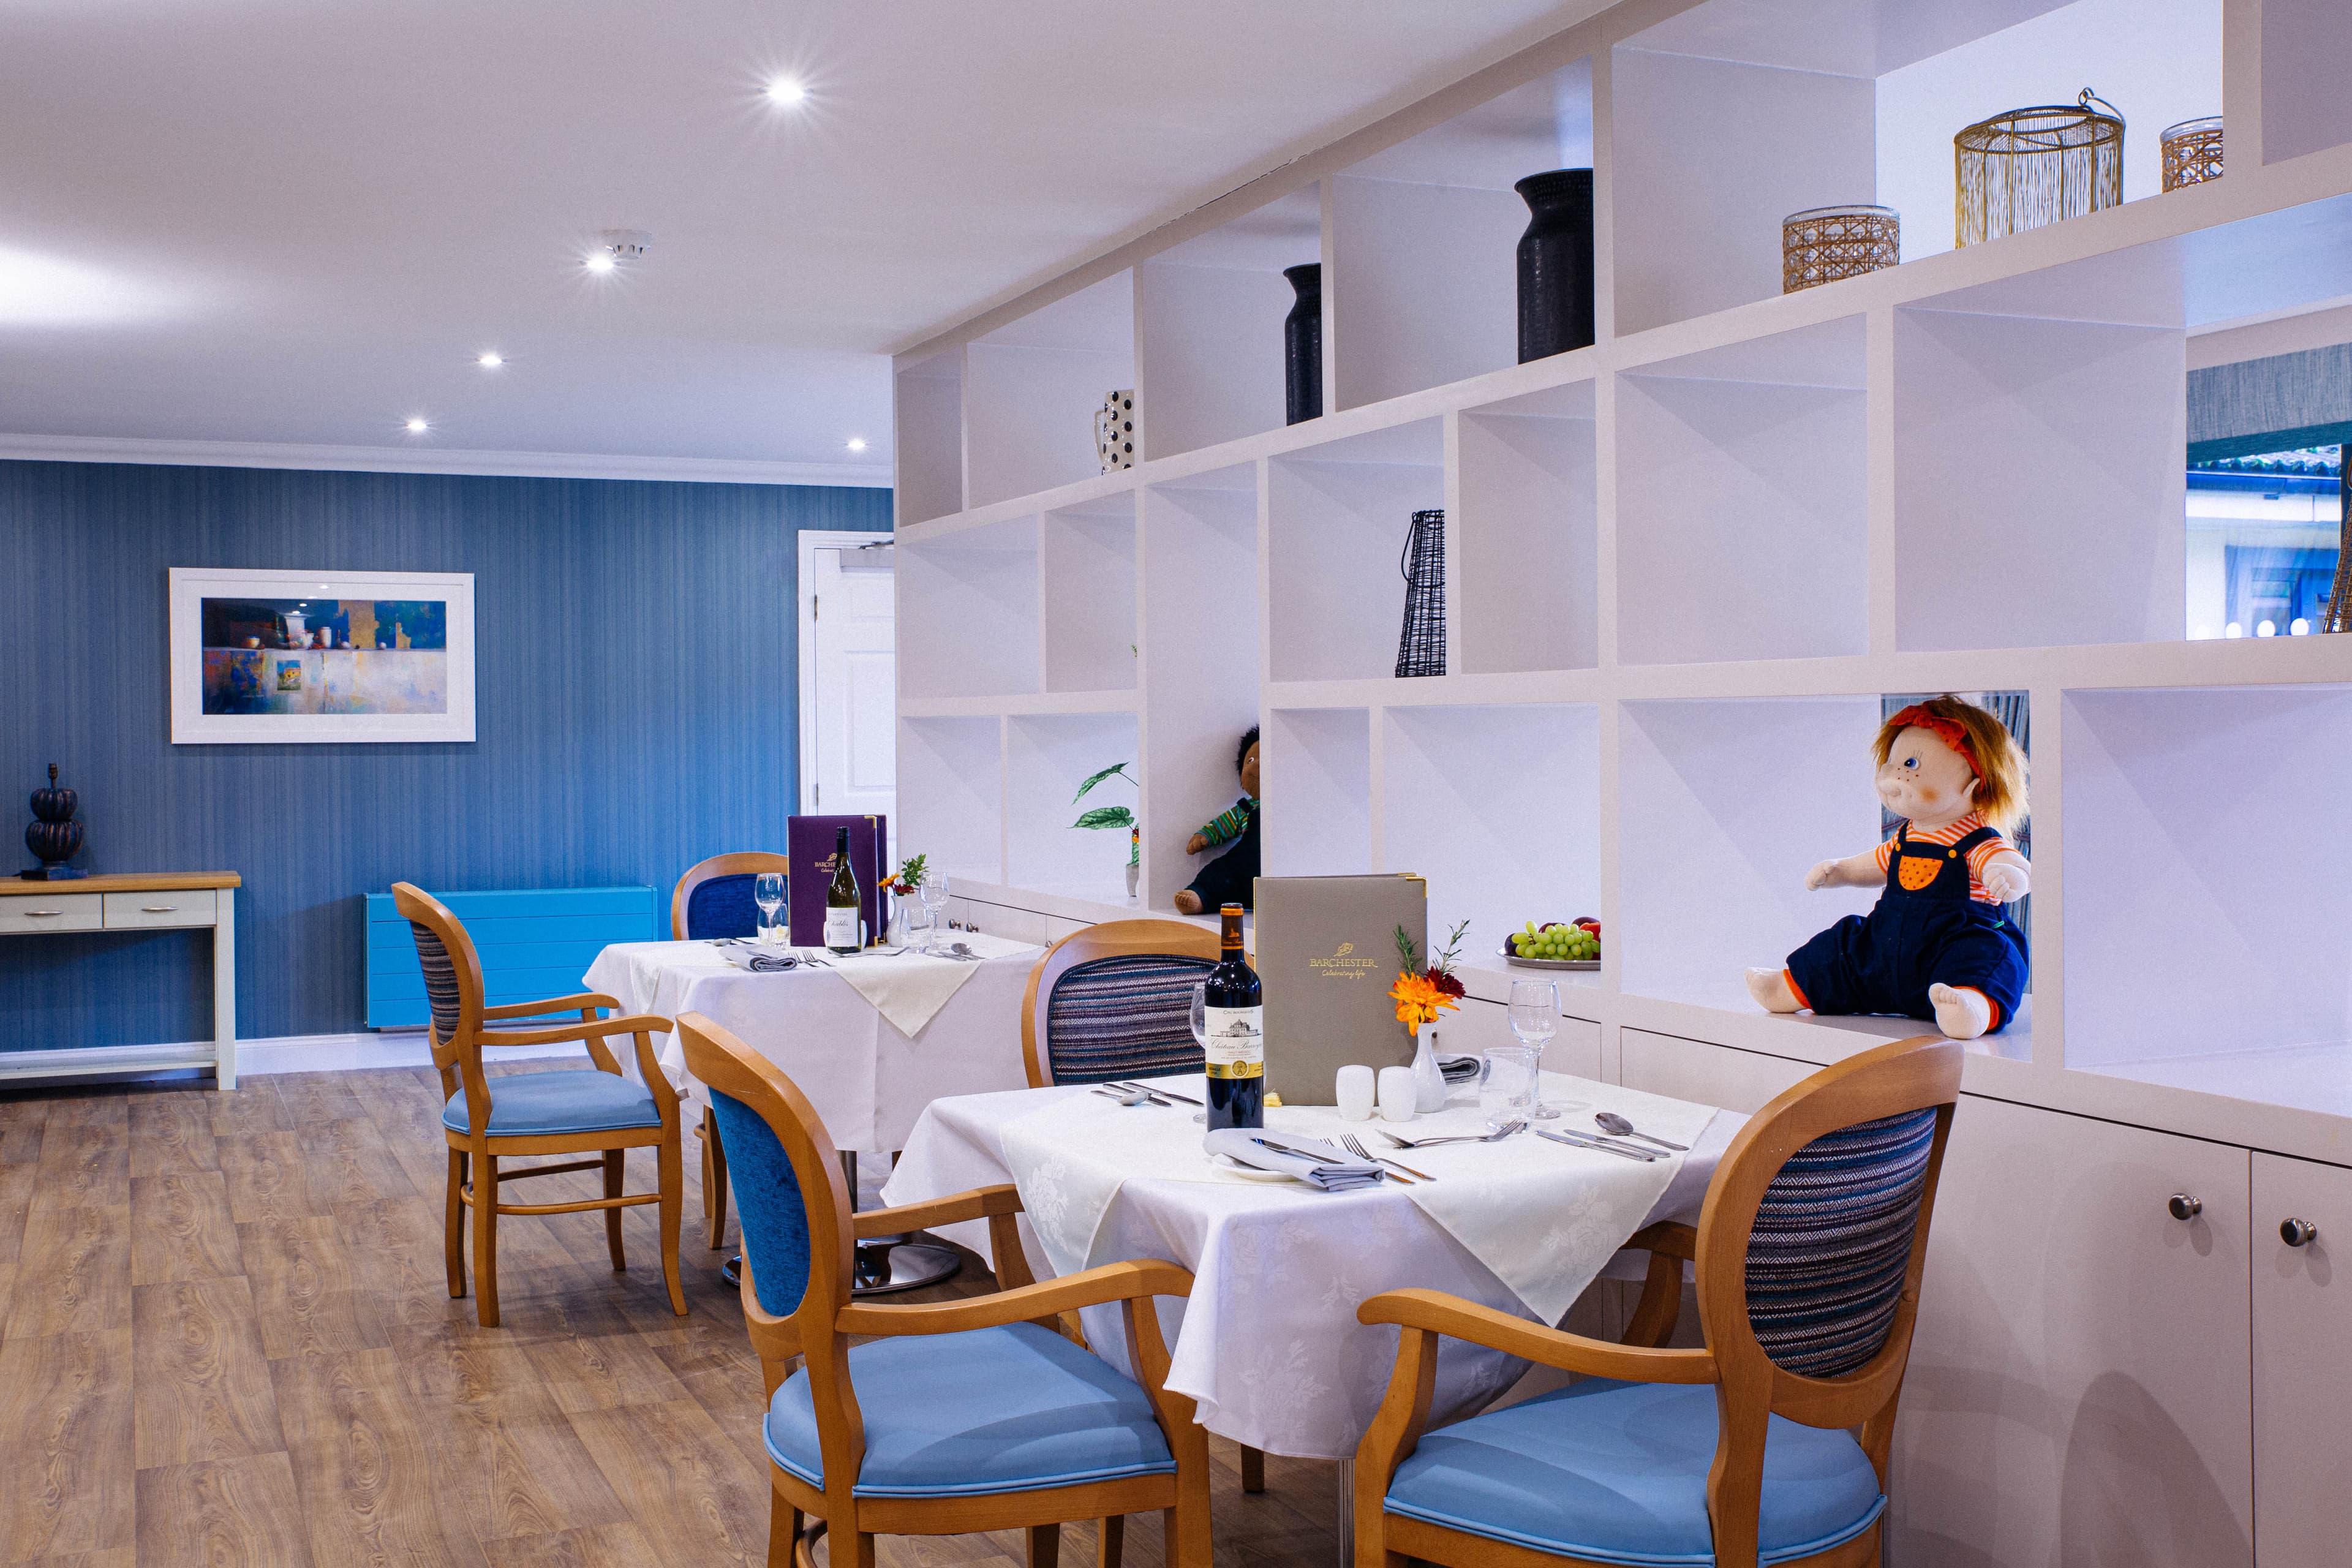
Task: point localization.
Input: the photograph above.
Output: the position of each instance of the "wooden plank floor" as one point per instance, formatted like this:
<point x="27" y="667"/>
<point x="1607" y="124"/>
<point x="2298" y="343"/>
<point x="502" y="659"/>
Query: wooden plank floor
<point x="227" y="1338"/>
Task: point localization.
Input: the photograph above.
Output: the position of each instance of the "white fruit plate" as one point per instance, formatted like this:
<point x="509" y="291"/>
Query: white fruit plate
<point x="1516" y="962"/>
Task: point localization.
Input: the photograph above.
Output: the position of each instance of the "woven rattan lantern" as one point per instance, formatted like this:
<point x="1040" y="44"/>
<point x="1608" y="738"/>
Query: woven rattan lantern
<point x="2034" y="166"/>
<point x="2192" y="152"/>
<point x="1822" y="245"/>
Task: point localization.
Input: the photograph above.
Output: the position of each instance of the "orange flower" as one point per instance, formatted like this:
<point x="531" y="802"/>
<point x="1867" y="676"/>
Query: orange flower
<point x="1418" y="999"/>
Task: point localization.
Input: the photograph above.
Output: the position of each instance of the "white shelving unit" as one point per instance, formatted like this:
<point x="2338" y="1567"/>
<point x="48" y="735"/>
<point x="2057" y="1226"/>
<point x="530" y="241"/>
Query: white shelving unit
<point x="1686" y="566"/>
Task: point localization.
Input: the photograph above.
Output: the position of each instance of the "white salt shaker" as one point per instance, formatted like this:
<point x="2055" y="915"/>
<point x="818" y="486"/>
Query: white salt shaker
<point x="1398" y="1094"/>
<point x="1355" y="1093"/>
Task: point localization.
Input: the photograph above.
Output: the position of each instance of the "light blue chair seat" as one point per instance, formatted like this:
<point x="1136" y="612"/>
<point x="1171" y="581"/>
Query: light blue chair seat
<point x="545" y="1104"/>
<point x="992" y="1410"/>
<point x="1616" y="1472"/>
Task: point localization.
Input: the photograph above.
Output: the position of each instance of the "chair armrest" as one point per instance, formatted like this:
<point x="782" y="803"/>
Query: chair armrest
<point x="978" y="1203"/>
<point x="1451" y="1315"/>
<point x="1111" y="1282"/>
<point x="552" y="1005"/>
<point x="642" y="1024"/>
<point x="1667" y="1239"/>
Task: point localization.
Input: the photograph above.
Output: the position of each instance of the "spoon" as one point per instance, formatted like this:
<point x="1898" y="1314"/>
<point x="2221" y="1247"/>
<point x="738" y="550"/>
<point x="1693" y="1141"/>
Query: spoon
<point x="1612" y="1122"/>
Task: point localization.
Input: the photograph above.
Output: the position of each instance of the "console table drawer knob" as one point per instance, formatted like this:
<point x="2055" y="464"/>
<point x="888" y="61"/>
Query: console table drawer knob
<point x="2184" y="1206"/>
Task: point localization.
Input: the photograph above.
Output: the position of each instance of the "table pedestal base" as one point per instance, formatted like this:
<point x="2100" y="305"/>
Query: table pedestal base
<point x="1347" y="1522"/>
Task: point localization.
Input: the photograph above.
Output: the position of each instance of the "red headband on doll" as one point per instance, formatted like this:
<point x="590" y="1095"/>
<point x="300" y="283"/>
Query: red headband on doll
<point x="1951" y="731"/>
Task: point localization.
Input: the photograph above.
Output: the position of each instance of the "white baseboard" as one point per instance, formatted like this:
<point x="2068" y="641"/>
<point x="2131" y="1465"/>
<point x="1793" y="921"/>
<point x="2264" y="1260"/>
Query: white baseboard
<point x="343" y="1053"/>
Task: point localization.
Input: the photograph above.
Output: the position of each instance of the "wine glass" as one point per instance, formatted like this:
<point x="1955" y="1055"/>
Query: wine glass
<point x="1200" y="1032"/>
<point x="768" y="892"/>
<point x="1535" y="1019"/>
<point x="933" y="891"/>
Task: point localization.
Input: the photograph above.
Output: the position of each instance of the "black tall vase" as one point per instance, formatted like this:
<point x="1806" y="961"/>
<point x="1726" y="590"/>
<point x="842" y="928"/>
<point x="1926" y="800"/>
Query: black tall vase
<point x="1302" y="344"/>
<point x="1556" y="263"/>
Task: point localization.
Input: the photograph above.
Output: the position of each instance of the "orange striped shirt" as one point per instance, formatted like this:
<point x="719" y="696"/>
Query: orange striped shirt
<point x="1952" y="833"/>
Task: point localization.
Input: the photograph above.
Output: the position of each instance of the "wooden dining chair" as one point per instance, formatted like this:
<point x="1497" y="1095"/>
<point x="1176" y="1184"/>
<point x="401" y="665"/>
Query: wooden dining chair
<point x="1117" y="1003"/>
<point x="714" y="898"/>
<point x="591" y="1110"/>
<point x="1809" y="1253"/>
<point x="966" y="1415"/>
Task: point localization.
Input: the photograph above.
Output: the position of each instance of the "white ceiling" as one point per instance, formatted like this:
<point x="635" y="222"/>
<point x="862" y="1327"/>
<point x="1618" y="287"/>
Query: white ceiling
<point x="291" y="222"/>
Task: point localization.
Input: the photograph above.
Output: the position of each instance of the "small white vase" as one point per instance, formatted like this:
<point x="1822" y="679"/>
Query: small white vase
<point x="1428" y="1077"/>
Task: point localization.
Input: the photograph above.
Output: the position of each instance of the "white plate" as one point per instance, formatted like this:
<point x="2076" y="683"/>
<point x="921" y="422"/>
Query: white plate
<point x="1228" y="1164"/>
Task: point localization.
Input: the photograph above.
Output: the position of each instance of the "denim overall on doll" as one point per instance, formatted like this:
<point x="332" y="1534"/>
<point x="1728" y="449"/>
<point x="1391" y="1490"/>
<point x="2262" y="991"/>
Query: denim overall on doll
<point x="1925" y="931"/>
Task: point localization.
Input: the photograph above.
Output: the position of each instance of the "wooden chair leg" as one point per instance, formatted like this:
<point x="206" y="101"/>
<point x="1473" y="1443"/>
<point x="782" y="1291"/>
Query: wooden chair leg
<point x="454" y="1224"/>
<point x="1188" y="1542"/>
<point x="1111" y="1542"/>
<point x="783" y="1529"/>
<point x="671" y="1171"/>
<point x="1044" y="1545"/>
<point x="714" y="1179"/>
<point x="616" y="1172"/>
<point x="1252" y="1468"/>
<point x="486" y="1241"/>
<point x="1653" y="1319"/>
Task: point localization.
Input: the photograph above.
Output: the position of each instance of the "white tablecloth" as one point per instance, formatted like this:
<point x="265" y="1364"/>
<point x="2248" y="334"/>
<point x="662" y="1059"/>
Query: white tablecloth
<point x="1268" y="1344"/>
<point x="867" y="1080"/>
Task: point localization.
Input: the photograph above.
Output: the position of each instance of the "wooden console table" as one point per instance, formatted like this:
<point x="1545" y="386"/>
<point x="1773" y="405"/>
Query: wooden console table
<point x="162" y="901"/>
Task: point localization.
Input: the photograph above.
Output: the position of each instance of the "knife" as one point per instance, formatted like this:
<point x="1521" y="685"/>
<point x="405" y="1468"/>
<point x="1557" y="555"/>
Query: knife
<point x="1575" y="1141"/>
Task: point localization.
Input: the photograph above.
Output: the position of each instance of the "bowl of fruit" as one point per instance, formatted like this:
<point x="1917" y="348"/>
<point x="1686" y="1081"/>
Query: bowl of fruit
<point x="1555" y="944"/>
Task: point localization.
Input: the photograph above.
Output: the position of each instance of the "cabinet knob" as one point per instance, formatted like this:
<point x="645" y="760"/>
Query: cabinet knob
<point x="2184" y="1206"/>
<point x="2298" y="1232"/>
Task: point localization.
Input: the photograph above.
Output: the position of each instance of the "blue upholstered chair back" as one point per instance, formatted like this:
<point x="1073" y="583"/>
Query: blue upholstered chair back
<point x="1130" y="1016"/>
<point x="1832" y="1240"/>
<point x="768" y="1195"/>
<point x="723" y="906"/>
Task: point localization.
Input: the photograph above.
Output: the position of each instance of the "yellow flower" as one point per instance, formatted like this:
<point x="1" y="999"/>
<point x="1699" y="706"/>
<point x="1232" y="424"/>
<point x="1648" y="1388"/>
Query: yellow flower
<point x="1418" y="999"/>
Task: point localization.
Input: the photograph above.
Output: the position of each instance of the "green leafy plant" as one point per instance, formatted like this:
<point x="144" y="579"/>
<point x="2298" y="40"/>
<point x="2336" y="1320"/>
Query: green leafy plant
<point x="910" y="875"/>
<point x="1112" y="815"/>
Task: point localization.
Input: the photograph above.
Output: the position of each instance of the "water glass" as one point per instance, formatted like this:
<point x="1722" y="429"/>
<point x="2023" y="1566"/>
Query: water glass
<point x="934" y="894"/>
<point x="1535" y="1019"/>
<point x="1507" y="1085"/>
<point x="768" y="892"/>
<point x="1201" y="1031"/>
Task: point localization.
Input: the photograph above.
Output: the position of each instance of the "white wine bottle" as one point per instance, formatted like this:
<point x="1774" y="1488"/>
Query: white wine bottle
<point x="841" y="899"/>
<point x="1236" y="1031"/>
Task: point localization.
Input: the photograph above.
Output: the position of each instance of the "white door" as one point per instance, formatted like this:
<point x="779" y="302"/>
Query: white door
<point x="849" y="752"/>
<point x="2078" y="1392"/>
<point x="2303" y="1390"/>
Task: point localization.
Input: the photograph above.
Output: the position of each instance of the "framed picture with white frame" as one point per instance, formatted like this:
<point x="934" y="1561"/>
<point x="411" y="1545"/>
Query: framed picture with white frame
<point x="274" y="657"/>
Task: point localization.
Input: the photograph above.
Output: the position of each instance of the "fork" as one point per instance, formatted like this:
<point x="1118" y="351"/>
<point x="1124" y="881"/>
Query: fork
<point x="1494" y="1137"/>
<point x="1348" y="1142"/>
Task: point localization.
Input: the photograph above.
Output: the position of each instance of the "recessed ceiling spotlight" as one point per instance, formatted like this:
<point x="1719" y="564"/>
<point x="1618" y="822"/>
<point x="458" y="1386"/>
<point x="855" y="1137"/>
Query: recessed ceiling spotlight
<point x="490" y="360"/>
<point x="616" y="248"/>
<point x="786" y="91"/>
<point x="416" y="426"/>
<point x="858" y="442"/>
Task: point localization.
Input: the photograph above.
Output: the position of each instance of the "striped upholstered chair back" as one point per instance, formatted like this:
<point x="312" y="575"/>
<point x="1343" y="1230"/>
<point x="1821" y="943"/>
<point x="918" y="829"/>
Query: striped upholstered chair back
<point x="1810" y="1248"/>
<point x="1115" y="1001"/>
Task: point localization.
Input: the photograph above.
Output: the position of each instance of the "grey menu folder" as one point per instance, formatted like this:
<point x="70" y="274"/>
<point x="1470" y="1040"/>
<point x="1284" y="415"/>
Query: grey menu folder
<point x="1326" y="956"/>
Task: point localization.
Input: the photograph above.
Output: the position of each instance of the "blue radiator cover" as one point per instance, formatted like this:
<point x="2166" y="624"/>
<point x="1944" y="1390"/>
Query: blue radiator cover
<point x="532" y="942"/>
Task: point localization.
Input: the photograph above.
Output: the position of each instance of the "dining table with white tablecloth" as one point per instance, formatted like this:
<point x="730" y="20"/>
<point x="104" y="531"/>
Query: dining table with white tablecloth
<point x="1269" y="1346"/>
<point x="827" y="1021"/>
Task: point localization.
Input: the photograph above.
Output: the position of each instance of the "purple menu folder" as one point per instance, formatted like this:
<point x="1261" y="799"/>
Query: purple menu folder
<point x="808" y="844"/>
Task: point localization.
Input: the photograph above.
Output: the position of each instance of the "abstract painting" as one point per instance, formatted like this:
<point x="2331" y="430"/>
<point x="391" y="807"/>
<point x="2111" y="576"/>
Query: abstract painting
<point x="275" y="657"/>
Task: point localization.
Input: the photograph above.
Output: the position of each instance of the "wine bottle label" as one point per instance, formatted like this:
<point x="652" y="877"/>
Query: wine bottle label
<point x="1237" y="1043"/>
<point x="840" y="928"/>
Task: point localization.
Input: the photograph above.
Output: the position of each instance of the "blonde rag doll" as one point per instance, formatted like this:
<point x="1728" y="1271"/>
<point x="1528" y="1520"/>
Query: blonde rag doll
<point x="1937" y="943"/>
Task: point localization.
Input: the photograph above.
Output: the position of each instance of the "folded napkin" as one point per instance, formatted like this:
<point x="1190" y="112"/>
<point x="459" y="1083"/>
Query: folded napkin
<point x="771" y="960"/>
<point x="1317" y="1164"/>
<point x="1458" y="1070"/>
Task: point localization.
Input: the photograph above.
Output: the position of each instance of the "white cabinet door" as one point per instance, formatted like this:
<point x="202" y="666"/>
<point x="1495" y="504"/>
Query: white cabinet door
<point x="2302" y="1372"/>
<point x="2078" y="1392"/>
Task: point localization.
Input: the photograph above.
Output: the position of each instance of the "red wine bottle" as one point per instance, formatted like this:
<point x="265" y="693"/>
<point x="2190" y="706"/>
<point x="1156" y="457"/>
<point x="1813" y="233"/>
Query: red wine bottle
<point x="1236" y="1031"/>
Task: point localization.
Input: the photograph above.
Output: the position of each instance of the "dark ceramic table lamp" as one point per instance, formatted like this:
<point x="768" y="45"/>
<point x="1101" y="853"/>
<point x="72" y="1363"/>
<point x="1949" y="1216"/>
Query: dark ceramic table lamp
<point x="53" y="836"/>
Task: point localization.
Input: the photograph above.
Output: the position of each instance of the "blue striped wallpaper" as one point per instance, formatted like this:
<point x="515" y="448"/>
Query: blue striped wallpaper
<point x="635" y="659"/>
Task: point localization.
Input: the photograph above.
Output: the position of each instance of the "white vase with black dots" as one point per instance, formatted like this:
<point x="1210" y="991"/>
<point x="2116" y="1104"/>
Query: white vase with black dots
<point x="1115" y="431"/>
